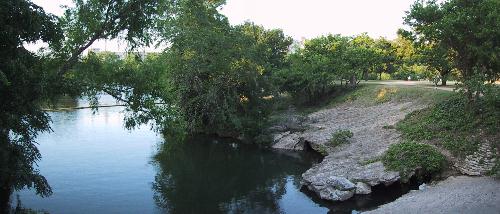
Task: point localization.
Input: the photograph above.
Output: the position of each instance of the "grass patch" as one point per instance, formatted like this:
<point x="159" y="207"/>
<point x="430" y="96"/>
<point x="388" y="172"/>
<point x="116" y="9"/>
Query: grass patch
<point x="322" y="150"/>
<point x="370" y="161"/>
<point x="369" y="95"/>
<point x="495" y="172"/>
<point x="388" y="127"/>
<point x="362" y="95"/>
<point x="455" y="128"/>
<point x="406" y="157"/>
<point x="340" y="137"/>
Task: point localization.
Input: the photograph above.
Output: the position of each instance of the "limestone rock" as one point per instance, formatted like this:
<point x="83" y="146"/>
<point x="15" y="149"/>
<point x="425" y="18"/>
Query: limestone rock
<point x="288" y="141"/>
<point x="363" y="189"/>
<point x="345" y="165"/>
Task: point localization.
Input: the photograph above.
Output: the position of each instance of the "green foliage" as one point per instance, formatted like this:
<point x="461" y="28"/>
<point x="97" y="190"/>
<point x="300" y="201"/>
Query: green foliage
<point x="495" y="171"/>
<point x="140" y="83"/>
<point x="23" y="85"/>
<point x="329" y="61"/>
<point x="340" y="137"/>
<point x="464" y="32"/>
<point x="28" y="80"/>
<point x="406" y="157"/>
<point x="220" y="73"/>
<point x="456" y="128"/>
<point x="368" y="95"/>
<point x="370" y="161"/>
<point x="322" y="150"/>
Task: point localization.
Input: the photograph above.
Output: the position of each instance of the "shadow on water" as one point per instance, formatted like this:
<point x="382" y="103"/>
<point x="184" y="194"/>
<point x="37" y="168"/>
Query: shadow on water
<point x="210" y="175"/>
<point x="207" y="175"/>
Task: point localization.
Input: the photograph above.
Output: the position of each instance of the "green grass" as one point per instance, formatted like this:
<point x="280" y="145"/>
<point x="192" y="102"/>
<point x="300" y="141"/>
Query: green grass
<point x="452" y="126"/>
<point x="363" y="95"/>
<point x="406" y="157"/>
<point x="369" y="95"/>
<point x="370" y="161"/>
<point x="340" y="137"/>
<point x="322" y="150"/>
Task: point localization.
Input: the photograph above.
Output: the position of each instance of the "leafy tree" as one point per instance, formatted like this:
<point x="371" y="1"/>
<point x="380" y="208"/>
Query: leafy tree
<point x="22" y="84"/>
<point x="219" y="73"/>
<point x="438" y="58"/>
<point x="314" y="68"/>
<point x="363" y="56"/>
<point x="469" y="30"/>
<point x="27" y="80"/>
<point x="142" y="84"/>
<point x="387" y="59"/>
<point x="91" y="20"/>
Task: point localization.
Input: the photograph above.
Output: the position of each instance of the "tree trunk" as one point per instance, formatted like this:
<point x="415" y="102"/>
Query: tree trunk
<point x="443" y="81"/>
<point x="352" y="81"/>
<point x="380" y="76"/>
<point x="5" y="192"/>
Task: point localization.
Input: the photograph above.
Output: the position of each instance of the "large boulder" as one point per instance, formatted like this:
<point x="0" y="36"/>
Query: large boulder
<point x="363" y="189"/>
<point x="331" y="187"/>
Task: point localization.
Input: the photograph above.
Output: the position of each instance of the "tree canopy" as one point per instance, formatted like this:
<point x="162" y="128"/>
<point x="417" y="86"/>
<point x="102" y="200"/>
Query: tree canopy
<point x="466" y="31"/>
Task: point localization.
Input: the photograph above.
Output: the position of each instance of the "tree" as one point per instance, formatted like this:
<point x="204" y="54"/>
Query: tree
<point x="363" y="56"/>
<point x="220" y="73"/>
<point x="437" y="57"/>
<point x="386" y="57"/>
<point x="22" y="89"/>
<point x="27" y="80"/>
<point x="469" y="30"/>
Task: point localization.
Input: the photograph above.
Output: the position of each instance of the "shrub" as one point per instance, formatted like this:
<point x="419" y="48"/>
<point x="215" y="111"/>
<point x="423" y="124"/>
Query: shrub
<point x="406" y="157"/>
<point x="457" y="129"/>
<point x="341" y="137"/>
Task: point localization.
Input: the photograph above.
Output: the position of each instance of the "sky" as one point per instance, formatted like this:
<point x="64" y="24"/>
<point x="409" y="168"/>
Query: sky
<point x="299" y="18"/>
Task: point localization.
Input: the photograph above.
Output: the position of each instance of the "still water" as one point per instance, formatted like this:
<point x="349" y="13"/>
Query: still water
<point x="94" y="165"/>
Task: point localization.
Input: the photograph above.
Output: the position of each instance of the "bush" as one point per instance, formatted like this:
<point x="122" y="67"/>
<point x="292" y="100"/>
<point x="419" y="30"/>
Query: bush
<point x="406" y="157"/>
<point x="341" y="137"/>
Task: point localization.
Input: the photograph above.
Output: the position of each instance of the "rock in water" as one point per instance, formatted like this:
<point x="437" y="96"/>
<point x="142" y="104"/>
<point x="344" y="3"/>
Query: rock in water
<point x="363" y="189"/>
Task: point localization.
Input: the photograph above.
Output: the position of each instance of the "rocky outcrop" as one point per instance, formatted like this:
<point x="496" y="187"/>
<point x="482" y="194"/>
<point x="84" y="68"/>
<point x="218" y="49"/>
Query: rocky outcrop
<point x="363" y="189"/>
<point x="350" y="168"/>
<point x="454" y="195"/>
<point x="480" y="162"/>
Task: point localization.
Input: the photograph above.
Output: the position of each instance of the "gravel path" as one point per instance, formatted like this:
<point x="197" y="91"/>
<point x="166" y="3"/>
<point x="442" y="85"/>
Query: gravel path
<point x="460" y="194"/>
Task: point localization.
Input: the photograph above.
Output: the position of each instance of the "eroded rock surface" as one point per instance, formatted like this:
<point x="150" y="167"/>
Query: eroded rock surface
<point x="339" y="175"/>
<point x="460" y="194"/>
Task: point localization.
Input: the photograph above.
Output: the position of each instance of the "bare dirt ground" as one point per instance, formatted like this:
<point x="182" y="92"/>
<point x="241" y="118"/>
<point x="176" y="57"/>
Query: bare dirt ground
<point x="423" y="84"/>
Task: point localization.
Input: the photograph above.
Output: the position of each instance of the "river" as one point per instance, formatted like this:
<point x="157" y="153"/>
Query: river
<point x="94" y="165"/>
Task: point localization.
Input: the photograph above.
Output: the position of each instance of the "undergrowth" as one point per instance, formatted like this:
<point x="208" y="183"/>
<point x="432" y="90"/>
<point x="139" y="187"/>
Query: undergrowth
<point x="340" y="137"/>
<point x="453" y="125"/>
<point x="407" y="156"/>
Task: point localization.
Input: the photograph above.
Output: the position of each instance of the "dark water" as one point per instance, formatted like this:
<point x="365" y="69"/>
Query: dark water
<point x="94" y="165"/>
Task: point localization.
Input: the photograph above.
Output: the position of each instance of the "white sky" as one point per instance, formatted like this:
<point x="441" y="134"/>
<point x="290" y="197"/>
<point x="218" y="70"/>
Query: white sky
<point x="299" y="18"/>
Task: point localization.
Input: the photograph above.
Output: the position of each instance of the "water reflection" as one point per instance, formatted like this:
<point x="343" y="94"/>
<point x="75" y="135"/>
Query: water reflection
<point x="205" y="175"/>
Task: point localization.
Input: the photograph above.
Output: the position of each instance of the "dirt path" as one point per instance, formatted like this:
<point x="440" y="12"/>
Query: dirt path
<point x="422" y="84"/>
<point x="460" y="194"/>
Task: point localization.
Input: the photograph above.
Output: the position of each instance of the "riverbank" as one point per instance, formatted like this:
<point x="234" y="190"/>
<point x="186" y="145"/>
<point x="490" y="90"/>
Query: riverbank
<point x="460" y="194"/>
<point x="355" y="166"/>
<point x="373" y="114"/>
